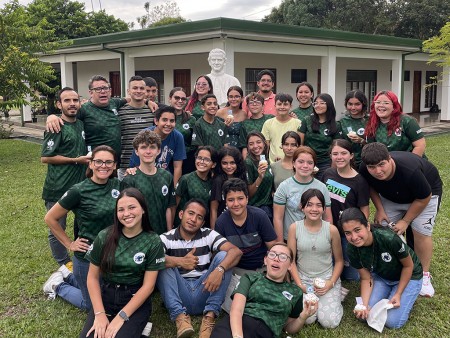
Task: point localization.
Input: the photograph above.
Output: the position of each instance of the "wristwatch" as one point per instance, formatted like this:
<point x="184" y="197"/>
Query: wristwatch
<point x="123" y="315"/>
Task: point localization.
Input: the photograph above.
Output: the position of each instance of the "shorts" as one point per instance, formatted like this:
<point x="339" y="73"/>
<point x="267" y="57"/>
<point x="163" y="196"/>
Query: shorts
<point x="423" y="223"/>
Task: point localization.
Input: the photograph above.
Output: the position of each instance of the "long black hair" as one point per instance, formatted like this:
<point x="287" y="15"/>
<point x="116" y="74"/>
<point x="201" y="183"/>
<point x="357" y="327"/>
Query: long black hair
<point x="330" y="115"/>
<point x="241" y="171"/>
<point x="112" y="239"/>
<point x="184" y="116"/>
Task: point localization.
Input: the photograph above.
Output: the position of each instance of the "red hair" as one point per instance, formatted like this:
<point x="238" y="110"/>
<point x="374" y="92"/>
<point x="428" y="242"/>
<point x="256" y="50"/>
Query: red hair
<point x="374" y="120"/>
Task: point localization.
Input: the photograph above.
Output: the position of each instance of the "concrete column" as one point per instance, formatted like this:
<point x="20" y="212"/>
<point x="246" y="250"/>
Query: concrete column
<point x="66" y="72"/>
<point x="128" y="72"/>
<point x="445" y="101"/>
<point x="229" y="49"/>
<point x="397" y="77"/>
<point x="328" y="73"/>
<point x="26" y="109"/>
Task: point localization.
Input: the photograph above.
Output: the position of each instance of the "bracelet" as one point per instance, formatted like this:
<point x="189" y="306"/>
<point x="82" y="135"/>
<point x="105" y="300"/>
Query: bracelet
<point x="70" y="246"/>
<point x="99" y="312"/>
<point x="237" y="336"/>
<point x="221" y="269"/>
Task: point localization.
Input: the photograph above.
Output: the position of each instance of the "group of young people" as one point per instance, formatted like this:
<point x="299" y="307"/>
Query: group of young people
<point x="255" y="201"/>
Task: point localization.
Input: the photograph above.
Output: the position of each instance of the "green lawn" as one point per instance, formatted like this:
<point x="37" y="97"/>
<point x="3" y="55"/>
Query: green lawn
<point x="27" y="262"/>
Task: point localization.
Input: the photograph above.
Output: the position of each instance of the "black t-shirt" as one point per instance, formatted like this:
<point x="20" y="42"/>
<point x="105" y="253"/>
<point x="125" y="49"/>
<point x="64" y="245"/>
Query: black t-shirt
<point x="414" y="178"/>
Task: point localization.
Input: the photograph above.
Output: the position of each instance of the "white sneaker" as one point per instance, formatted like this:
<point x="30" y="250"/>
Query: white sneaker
<point x="427" y="289"/>
<point x="52" y="282"/>
<point x="64" y="270"/>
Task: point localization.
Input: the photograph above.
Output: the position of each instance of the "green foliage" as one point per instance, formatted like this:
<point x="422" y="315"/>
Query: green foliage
<point x="439" y="47"/>
<point x="6" y="129"/>
<point x="164" y="14"/>
<point x="69" y="20"/>
<point x="27" y="263"/>
<point x="419" y="19"/>
<point x="21" y="71"/>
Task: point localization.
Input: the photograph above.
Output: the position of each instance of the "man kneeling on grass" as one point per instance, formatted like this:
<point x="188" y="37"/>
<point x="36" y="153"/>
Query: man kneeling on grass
<point x="193" y="282"/>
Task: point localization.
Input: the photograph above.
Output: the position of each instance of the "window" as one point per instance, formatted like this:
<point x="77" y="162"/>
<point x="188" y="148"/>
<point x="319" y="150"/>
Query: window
<point x="250" y="79"/>
<point x="298" y="75"/>
<point x="430" y="88"/>
<point x="158" y="75"/>
<point x="364" y="80"/>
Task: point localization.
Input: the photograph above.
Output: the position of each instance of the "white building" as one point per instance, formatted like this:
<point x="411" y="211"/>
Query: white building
<point x="332" y="61"/>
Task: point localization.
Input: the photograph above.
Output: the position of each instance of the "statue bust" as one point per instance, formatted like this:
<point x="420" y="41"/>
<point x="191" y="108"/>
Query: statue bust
<point x="220" y="80"/>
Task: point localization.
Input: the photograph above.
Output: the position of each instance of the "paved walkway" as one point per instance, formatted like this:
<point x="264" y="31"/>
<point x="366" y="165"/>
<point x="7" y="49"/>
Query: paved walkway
<point x="33" y="132"/>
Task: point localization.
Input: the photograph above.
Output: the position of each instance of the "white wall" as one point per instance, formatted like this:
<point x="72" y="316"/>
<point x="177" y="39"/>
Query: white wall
<point x="88" y="69"/>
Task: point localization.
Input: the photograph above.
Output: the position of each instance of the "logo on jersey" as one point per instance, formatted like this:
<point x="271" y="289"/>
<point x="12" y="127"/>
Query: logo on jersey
<point x="287" y="295"/>
<point x="220" y="132"/>
<point x="419" y="131"/>
<point x="160" y="260"/>
<point x="185" y="126"/>
<point x="176" y="186"/>
<point x="65" y="194"/>
<point x="386" y="256"/>
<point x="139" y="258"/>
<point x="50" y="144"/>
<point x="90" y="249"/>
<point x="398" y="132"/>
<point x="164" y="190"/>
<point x="83" y="135"/>
<point x="360" y="131"/>
<point x="326" y="132"/>
<point x="402" y="249"/>
<point x="194" y="136"/>
<point x="115" y="111"/>
<point x="115" y="193"/>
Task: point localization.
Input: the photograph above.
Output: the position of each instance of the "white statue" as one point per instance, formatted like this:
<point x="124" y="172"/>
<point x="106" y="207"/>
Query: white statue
<point x="221" y="81"/>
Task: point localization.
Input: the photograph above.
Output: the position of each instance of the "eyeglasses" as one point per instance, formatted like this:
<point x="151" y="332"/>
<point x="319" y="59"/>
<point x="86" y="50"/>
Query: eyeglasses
<point x="107" y="163"/>
<point x="100" y="89"/>
<point x="315" y="104"/>
<point x="383" y="103"/>
<point x="254" y="103"/>
<point x="202" y="84"/>
<point x="203" y="159"/>
<point x="237" y="97"/>
<point x="179" y="98"/>
<point x="281" y="256"/>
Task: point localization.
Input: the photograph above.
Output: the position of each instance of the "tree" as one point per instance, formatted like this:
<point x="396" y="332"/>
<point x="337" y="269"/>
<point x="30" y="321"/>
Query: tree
<point x="69" y="20"/>
<point x="21" y="71"/>
<point x="412" y="19"/>
<point x="439" y="47"/>
<point x="164" y="14"/>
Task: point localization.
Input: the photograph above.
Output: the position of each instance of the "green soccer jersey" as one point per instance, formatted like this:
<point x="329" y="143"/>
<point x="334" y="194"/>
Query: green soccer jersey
<point x="102" y="124"/>
<point x="402" y="138"/>
<point x="93" y="205"/>
<point x="384" y="255"/>
<point x="186" y="128"/>
<point x="191" y="186"/>
<point x="251" y="125"/>
<point x="269" y="301"/>
<point x="197" y="112"/>
<point x="320" y="142"/>
<point x="263" y="194"/>
<point x="349" y="124"/>
<point x="133" y="256"/>
<point x="303" y="112"/>
<point x="158" y="192"/>
<point x="68" y="143"/>
<point x="210" y="134"/>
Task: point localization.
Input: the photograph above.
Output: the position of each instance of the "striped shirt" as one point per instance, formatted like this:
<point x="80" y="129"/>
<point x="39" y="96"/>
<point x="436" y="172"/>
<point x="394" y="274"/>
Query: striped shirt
<point x="205" y="242"/>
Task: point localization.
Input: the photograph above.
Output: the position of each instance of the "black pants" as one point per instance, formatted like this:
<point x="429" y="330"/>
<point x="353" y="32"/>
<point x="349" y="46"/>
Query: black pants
<point x="114" y="298"/>
<point x="252" y="328"/>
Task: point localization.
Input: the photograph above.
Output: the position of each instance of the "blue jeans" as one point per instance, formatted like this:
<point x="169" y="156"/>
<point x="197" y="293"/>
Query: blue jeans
<point x="59" y="251"/>
<point x="74" y="288"/>
<point x="385" y="289"/>
<point x="349" y="272"/>
<point x="186" y="295"/>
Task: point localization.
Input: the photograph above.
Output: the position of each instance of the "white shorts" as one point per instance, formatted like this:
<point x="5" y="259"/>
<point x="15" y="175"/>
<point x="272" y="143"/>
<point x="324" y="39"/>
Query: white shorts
<point x="423" y="223"/>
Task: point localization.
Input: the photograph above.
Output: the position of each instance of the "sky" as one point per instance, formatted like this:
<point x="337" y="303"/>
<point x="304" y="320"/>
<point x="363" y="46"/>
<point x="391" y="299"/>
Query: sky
<point x="189" y="9"/>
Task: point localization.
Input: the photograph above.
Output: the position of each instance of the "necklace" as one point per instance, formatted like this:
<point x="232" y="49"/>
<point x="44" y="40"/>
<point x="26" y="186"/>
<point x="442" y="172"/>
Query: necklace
<point x="373" y="258"/>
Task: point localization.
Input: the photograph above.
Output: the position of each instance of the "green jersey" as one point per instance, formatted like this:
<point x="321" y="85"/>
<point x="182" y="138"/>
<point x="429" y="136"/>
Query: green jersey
<point x="186" y="128"/>
<point x="320" y="142"/>
<point x="133" y="256"/>
<point x="402" y="138"/>
<point x="197" y="112"/>
<point x="358" y="125"/>
<point x="384" y="255"/>
<point x="210" y="134"/>
<point x="270" y="301"/>
<point x="68" y="143"/>
<point x="191" y="186"/>
<point x="303" y="112"/>
<point x="93" y="205"/>
<point x="251" y="125"/>
<point x="263" y="194"/>
<point x="158" y="192"/>
<point x="102" y="124"/>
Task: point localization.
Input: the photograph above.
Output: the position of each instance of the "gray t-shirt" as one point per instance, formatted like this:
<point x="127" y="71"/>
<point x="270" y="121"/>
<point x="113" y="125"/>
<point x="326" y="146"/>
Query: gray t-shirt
<point x="289" y="194"/>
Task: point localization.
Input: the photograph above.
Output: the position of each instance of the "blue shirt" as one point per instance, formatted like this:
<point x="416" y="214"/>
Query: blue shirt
<point x="172" y="149"/>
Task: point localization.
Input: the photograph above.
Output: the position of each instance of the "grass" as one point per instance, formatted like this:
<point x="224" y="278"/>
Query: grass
<point x="27" y="262"/>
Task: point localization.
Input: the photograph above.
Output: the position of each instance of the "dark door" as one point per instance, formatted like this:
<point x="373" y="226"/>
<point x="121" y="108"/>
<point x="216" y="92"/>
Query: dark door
<point x="417" y="91"/>
<point x="182" y="78"/>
